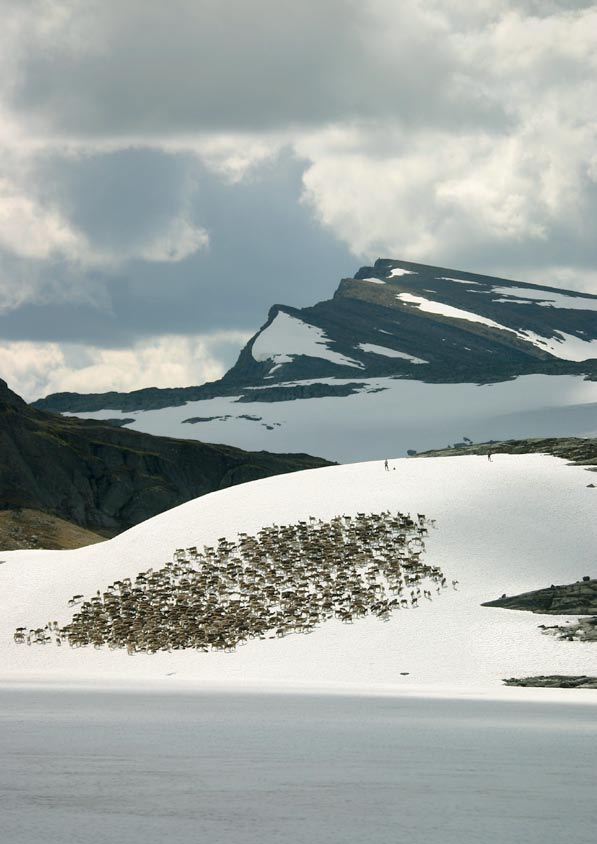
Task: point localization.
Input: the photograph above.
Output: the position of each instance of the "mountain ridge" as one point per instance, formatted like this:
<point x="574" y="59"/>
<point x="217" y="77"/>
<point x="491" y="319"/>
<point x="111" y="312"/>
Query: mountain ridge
<point x="387" y="321"/>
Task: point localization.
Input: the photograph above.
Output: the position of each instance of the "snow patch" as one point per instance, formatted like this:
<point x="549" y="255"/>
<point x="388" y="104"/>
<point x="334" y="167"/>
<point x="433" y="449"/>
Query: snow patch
<point x="398" y="271"/>
<point x="564" y="346"/>
<point x="286" y="337"/>
<point x="545" y="298"/>
<point x="373" y="280"/>
<point x="432" y="307"/>
<point x="389" y="353"/>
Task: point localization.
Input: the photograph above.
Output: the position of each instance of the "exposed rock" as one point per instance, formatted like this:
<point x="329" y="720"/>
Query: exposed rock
<point x="301" y="391"/>
<point x="194" y="420"/>
<point x="119" y="422"/>
<point x="578" y="598"/>
<point x="583" y="630"/>
<point x="554" y="681"/>
<point x="579" y="450"/>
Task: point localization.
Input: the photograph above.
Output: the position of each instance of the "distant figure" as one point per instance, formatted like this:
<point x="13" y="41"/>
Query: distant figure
<point x="489" y="456"/>
<point x="386" y="467"/>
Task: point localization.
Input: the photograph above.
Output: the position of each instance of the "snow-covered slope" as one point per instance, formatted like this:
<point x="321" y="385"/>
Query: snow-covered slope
<point x="287" y="337"/>
<point x="515" y="524"/>
<point x="384" y="416"/>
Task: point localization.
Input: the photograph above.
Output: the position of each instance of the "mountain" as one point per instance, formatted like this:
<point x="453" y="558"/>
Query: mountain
<point x="517" y="524"/>
<point x="406" y="350"/>
<point x="105" y="478"/>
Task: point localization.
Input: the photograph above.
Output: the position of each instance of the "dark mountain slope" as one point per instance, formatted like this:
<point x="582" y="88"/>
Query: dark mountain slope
<point x="103" y="477"/>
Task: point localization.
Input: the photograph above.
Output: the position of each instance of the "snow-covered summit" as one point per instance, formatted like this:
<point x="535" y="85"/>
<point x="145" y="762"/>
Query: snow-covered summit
<point x="476" y="327"/>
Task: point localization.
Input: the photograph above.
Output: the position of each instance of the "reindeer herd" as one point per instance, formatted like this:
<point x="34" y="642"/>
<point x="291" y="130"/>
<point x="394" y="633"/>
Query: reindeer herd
<point x="285" y="579"/>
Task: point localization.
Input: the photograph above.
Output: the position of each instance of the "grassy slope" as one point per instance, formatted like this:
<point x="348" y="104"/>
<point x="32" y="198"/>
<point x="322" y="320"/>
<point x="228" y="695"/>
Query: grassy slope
<point x="24" y="528"/>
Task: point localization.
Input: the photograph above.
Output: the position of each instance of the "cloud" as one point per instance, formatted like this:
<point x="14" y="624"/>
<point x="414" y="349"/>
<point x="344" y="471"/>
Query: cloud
<point x="30" y="230"/>
<point x="36" y="369"/>
<point x="95" y="210"/>
<point x="143" y="69"/>
<point x="174" y="169"/>
<point x="265" y="247"/>
<point x="519" y="200"/>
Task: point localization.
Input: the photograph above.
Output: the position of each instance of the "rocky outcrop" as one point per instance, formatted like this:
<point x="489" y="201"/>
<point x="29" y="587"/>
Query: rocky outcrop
<point x="582" y="630"/>
<point x="578" y="598"/>
<point x="108" y="478"/>
<point x="554" y="681"/>
<point x="579" y="450"/>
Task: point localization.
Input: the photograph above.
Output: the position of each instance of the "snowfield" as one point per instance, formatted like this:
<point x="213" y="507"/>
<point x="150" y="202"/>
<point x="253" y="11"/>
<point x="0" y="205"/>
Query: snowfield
<point x="511" y="525"/>
<point x="386" y="418"/>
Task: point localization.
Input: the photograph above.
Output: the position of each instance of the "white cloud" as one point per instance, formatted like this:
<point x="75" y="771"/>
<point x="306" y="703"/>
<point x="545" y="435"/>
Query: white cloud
<point x="435" y="130"/>
<point x="518" y="198"/>
<point x="446" y="198"/>
<point x="29" y="230"/>
<point x="37" y="369"/>
<point x="32" y="228"/>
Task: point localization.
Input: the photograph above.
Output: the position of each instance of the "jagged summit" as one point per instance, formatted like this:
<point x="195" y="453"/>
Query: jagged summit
<point x="425" y="323"/>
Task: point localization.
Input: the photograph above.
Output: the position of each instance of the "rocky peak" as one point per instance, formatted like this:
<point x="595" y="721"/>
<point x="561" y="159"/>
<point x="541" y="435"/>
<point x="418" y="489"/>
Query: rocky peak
<point x="7" y="397"/>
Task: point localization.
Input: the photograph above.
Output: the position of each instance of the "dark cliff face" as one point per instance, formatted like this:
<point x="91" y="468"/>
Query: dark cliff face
<point x="8" y="398"/>
<point x="103" y="477"/>
<point x="374" y="326"/>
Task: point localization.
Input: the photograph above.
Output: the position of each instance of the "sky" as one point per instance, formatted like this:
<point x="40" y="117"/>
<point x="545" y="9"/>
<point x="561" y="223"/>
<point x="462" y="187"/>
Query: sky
<point x="168" y="171"/>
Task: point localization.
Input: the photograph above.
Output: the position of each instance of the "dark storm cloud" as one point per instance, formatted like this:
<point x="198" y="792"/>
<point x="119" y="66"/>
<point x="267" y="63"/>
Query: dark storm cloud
<point x="119" y="200"/>
<point x="145" y="68"/>
<point x="264" y="248"/>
